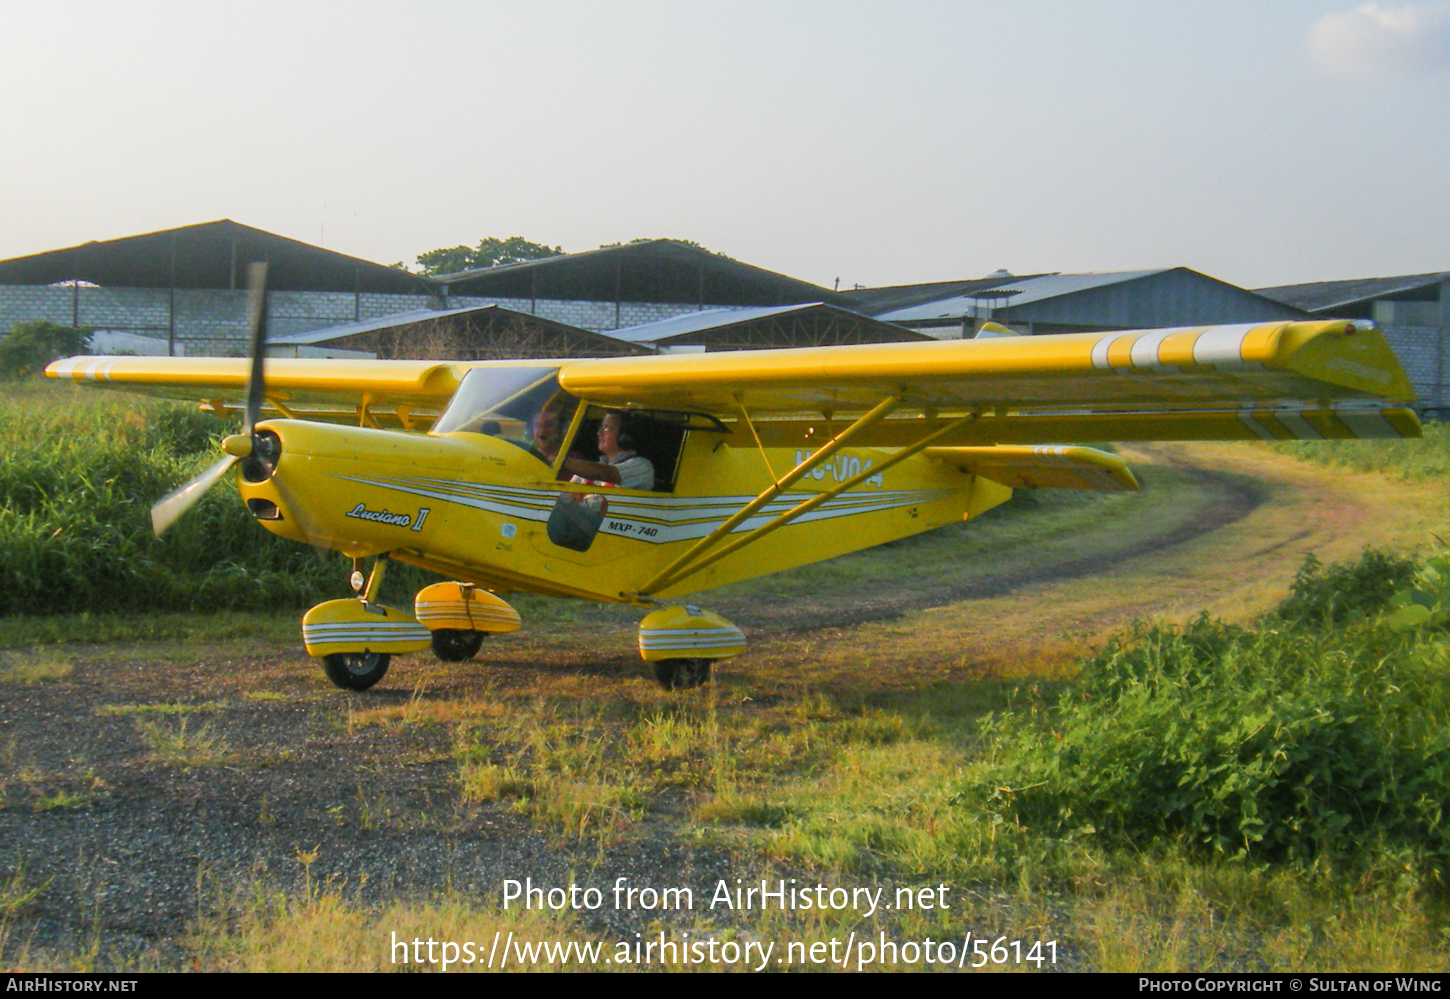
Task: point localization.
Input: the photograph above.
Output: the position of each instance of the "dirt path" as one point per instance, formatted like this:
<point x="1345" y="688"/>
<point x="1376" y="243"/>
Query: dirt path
<point x="1231" y="548"/>
<point x="1199" y="499"/>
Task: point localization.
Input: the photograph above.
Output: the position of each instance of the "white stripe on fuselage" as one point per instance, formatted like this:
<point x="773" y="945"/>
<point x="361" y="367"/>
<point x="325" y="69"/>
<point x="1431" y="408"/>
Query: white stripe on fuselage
<point x="655" y="519"/>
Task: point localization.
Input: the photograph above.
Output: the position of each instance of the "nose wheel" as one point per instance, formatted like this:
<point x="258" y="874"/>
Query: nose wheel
<point x="356" y="670"/>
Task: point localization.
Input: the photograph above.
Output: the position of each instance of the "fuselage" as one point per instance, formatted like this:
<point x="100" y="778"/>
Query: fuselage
<point x="477" y="507"/>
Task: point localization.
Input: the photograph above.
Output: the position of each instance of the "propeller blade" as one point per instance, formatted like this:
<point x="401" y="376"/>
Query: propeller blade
<point x="169" y="509"/>
<point x="166" y="511"/>
<point x="256" y="314"/>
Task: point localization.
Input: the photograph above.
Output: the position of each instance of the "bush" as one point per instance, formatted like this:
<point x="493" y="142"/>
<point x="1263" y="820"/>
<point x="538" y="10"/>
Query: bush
<point x="1350" y="591"/>
<point x="33" y="344"/>
<point x="1291" y="741"/>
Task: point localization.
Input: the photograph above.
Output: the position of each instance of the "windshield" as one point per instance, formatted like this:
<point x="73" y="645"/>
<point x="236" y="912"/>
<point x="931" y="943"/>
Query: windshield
<point x="523" y="406"/>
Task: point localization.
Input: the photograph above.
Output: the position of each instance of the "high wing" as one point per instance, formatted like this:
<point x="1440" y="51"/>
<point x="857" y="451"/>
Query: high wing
<point x="1256" y="381"/>
<point x="1269" y="381"/>
<point x="396" y="393"/>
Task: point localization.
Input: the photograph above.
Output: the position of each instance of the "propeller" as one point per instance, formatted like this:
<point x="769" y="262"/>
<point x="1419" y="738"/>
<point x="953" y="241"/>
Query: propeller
<point x="237" y="446"/>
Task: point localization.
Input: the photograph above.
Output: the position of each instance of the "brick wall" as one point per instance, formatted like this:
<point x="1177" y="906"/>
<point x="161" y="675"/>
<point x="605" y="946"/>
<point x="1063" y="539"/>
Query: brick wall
<point x="21" y="302"/>
<point x="597" y="317"/>
<point x="212" y="322"/>
<point x="1423" y="351"/>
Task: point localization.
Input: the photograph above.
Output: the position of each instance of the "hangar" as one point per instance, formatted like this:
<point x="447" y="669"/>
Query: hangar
<point x="490" y="331"/>
<point x="185" y="286"/>
<point x="1070" y="303"/>
<point x="1413" y="310"/>
<point x="813" y="324"/>
<point x="182" y="290"/>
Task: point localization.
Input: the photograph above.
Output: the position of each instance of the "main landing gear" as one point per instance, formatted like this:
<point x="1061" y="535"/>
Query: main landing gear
<point x="681" y="644"/>
<point x="681" y="674"/>
<point x="356" y="639"/>
<point x="454" y="645"/>
<point x="461" y="616"/>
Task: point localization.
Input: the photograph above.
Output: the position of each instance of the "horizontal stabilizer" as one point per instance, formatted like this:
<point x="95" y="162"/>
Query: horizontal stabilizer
<point x="1045" y="466"/>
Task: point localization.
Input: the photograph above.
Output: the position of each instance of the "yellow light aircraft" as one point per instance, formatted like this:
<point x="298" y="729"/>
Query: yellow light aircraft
<point x="760" y="460"/>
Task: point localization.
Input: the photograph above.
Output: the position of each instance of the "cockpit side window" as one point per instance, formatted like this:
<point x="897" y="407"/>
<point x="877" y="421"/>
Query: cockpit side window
<point x="522" y="405"/>
<point x="659" y="438"/>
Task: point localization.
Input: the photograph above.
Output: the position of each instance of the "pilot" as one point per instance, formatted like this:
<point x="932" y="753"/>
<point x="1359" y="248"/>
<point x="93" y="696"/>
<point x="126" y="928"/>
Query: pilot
<point x="621" y="466"/>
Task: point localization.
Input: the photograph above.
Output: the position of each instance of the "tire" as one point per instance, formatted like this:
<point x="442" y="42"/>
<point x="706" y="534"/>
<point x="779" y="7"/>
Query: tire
<point x="356" y="670"/>
<point x="453" y="645"/>
<point x="681" y="674"/>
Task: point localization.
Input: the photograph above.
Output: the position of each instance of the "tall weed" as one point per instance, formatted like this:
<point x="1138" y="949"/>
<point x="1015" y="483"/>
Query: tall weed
<point x="80" y="472"/>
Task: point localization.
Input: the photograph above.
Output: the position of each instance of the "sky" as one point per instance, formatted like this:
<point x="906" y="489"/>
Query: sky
<point x="870" y="143"/>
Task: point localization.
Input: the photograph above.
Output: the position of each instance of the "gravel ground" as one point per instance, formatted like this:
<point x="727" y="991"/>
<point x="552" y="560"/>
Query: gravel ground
<point x="129" y="849"/>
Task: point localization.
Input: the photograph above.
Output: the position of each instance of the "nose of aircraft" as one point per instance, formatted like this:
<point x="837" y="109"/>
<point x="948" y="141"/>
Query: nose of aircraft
<point x="320" y="483"/>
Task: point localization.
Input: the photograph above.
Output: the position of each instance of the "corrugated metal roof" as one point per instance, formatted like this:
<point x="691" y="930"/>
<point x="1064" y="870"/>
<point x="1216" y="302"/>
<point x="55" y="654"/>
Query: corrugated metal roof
<point x="654" y="270"/>
<point x="371" y="325"/>
<point x="879" y="301"/>
<point x="1320" y="296"/>
<point x="210" y="255"/>
<point x="706" y="319"/>
<point x="1028" y="290"/>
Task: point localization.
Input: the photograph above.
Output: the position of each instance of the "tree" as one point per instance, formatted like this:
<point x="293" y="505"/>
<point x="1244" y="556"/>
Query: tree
<point x="33" y="344"/>
<point x="489" y="252"/>
<point x="642" y="239"/>
<point x="688" y="242"/>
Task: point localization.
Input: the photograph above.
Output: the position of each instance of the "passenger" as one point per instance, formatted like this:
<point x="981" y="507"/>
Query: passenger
<point x="621" y="466"/>
<point x="549" y="431"/>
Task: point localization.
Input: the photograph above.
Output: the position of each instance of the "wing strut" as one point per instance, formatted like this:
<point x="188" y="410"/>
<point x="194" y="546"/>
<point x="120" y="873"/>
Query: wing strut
<point x="806" y="506"/>
<point x="745" y="415"/>
<point x="682" y="566"/>
<point x="880" y="412"/>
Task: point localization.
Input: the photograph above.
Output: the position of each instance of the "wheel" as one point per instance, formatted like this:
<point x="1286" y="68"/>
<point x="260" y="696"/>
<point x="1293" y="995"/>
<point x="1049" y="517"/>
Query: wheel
<point x="453" y="645"/>
<point x="356" y="670"/>
<point x="681" y="674"/>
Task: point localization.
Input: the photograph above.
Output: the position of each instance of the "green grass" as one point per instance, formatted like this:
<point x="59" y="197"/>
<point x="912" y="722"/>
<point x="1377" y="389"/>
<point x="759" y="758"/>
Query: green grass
<point x="64" y="800"/>
<point x="123" y="710"/>
<point x="81" y="470"/>
<point x="1030" y="518"/>
<point x="180" y="745"/>
<point x="1315" y="738"/>
<point x="1413" y="460"/>
<point x="131" y="626"/>
<point x="37" y="666"/>
<point x="1298" y="833"/>
<point x="1211" y="797"/>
